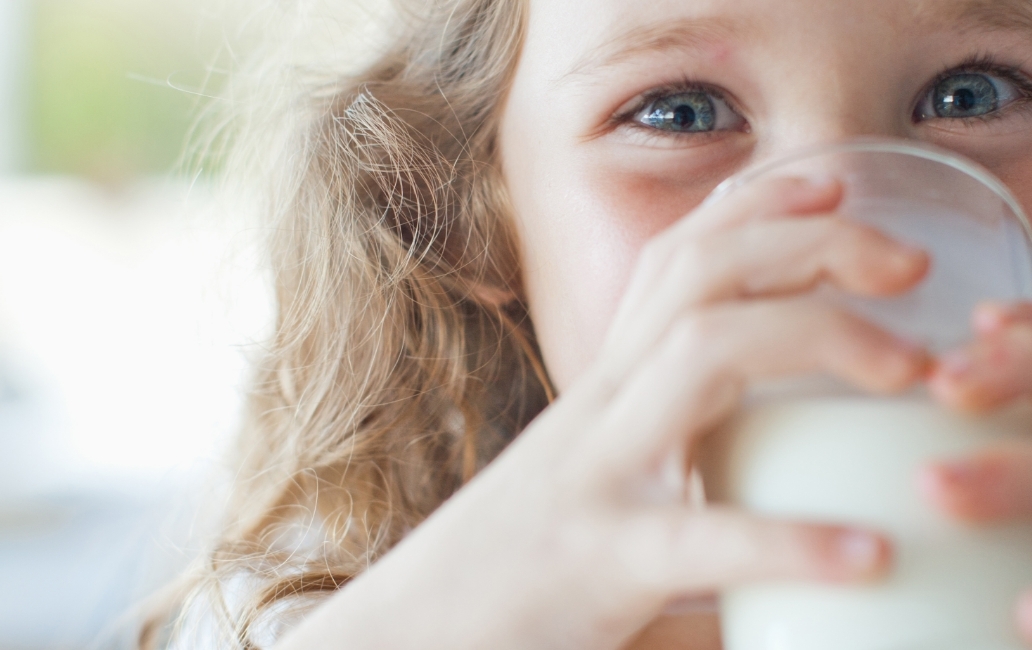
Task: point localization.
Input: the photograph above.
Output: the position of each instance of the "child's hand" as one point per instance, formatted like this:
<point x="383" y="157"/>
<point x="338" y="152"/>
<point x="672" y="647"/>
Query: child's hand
<point x="996" y="368"/>
<point x="583" y="529"/>
<point x="993" y="371"/>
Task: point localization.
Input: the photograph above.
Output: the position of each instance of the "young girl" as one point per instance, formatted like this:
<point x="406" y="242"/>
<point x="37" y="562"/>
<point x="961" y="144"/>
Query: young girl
<point x="504" y="323"/>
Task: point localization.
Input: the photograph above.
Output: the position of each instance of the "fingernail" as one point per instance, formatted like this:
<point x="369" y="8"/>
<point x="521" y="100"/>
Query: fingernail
<point x="822" y="182"/>
<point x="859" y="550"/>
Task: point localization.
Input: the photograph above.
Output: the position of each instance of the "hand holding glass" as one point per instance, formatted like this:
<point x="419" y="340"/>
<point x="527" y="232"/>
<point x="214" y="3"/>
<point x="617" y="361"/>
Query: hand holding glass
<point x="817" y="450"/>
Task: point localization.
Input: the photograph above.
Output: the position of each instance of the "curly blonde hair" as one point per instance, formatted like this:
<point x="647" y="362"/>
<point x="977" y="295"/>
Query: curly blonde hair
<point x="402" y="359"/>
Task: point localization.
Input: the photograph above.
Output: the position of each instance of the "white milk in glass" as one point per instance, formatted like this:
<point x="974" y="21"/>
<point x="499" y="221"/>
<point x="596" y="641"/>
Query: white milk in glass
<point x="855" y="460"/>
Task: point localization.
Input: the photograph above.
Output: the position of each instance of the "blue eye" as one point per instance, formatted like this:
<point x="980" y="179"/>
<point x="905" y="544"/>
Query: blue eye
<point x="692" y="111"/>
<point x="687" y="112"/>
<point x="965" y="95"/>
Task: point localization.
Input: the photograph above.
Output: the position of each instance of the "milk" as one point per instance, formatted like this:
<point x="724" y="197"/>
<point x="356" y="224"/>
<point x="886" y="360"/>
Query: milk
<point x="854" y="460"/>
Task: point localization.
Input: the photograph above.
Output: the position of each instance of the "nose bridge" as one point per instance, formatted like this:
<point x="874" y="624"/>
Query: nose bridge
<point x="847" y="120"/>
<point x="840" y="112"/>
<point x="836" y="91"/>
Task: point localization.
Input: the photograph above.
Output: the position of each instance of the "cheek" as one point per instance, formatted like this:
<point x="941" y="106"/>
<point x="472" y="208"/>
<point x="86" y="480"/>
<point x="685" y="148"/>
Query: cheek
<point x="581" y="242"/>
<point x="1017" y="174"/>
<point x="619" y="213"/>
<point x="1008" y="157"/>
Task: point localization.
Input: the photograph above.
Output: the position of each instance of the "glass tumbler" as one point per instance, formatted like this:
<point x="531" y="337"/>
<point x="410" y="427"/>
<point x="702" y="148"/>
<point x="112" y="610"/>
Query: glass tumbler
<point x="815" y="449"/>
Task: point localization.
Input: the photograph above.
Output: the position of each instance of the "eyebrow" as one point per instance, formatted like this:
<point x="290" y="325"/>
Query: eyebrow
<point x="687" y="35"/>
<point x="985" y="14"/>
<point x="679" y="35"/>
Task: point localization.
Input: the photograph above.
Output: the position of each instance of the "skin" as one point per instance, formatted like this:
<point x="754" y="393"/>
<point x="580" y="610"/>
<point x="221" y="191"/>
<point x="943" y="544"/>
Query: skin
<point x="584" y="235"/>
<point x="655" y="313"/>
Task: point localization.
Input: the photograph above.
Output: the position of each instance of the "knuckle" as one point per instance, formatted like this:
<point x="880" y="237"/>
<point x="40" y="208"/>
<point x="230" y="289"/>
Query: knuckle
<point x="740" y="543"/>
<point x="839" y="238"/>
<point x="847" y="345"/>
<point x="838" y="322"/>
<point x="655" y="252"/>
<point x="804" y="550"/>
<point x="834" y="329"/>
<point x="694" y="332"/>
<point x="740" y="546"/>
<point x="844" y="231"/>
<point x="646" y="549"/>
<point x="792" y="550"/>
<point x="860" y="236"/>
<point x="692" y="260"/>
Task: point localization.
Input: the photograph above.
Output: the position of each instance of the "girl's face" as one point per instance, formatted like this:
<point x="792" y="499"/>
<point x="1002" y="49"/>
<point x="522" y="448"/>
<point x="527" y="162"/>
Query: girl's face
<point x="624" y="114"/>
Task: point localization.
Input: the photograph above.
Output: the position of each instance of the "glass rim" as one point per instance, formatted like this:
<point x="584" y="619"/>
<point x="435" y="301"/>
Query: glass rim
<point x="883" y="145"/>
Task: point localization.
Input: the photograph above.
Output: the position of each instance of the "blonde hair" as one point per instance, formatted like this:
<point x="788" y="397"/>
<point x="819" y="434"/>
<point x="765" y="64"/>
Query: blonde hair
<point x="402" y="359"/>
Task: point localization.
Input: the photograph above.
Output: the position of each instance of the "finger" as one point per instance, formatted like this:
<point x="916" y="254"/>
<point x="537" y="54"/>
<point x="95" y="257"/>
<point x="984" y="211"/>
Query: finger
<point x="791" y="256"/>
<point x="764" y="259"/>
<point x="1023" y="614"/>
<point x="994" y="370"/>
<point x="775" y="197"/>
<point x="695" y="376"/>
<point x="693" y="552"/>
<point x="680" y="627"/>
<point x="993" y="317"/>
<point x="994" y="485"/>
<point x="780" y="197"/>
<point x="784" y="196"/>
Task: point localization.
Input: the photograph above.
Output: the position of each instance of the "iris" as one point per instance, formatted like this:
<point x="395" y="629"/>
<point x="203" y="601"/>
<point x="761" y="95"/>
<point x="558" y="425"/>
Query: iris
<point x="965" y="95"/>
<point x="691" y="112"/>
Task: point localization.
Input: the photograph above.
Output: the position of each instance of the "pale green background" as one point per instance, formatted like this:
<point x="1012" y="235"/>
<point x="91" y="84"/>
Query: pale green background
<point x="112" y="87"/>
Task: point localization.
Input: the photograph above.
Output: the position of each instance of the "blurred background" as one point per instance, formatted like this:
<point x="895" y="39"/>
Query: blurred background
<point x="128" y="305"/>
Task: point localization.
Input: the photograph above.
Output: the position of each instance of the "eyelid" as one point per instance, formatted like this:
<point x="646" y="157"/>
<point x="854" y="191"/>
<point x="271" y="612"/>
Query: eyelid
<point x="627" y="113"/>
<point x="985" y="65"/>
<point x="636" y="105"/>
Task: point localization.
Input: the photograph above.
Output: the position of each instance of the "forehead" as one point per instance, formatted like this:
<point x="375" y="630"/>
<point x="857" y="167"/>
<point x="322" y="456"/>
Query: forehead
<point x="597" y="31"/>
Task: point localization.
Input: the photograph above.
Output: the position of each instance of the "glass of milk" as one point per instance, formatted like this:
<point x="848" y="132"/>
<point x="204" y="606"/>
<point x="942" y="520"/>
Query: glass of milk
<point x="813" y="449"/>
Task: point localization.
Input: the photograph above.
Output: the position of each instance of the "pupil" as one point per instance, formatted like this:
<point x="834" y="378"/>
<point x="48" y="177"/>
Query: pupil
<point x="684" y="116"/>
<point x="965" y="99"/>
<point x="965" y="95"/>
<point x="691" y="112"/>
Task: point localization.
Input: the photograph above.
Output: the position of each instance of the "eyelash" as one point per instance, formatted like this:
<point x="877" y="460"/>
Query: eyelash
<point x="626" y="118"/>
<point x="979" y="64"/>
<point x="989" y="65"/>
